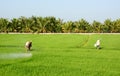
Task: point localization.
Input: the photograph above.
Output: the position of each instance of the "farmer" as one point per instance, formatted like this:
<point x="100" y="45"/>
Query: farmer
<point x="28" y="45"/>
<point x="97" y="44"/>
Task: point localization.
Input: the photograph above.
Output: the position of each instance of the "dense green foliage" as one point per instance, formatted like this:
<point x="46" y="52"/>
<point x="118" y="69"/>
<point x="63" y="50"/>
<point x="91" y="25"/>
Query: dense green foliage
<point x="61" y="55"/>
<point x="52" y="25"/>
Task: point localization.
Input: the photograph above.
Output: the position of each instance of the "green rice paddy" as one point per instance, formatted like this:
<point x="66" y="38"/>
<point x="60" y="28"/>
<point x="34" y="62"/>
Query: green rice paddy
<point x="60" y="55"/>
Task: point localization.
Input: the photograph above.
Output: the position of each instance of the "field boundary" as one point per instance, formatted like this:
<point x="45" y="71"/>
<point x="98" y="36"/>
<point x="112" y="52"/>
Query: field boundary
<point x="63" y="33"/>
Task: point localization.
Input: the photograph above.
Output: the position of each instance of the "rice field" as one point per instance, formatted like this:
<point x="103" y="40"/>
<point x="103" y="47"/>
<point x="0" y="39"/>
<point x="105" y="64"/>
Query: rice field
<point x="60" y="55"/>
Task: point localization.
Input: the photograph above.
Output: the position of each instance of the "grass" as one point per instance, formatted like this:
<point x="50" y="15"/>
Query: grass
<point x="61" y="55"/>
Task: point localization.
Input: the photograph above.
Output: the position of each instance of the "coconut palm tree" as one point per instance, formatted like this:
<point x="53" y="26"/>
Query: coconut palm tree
<point x="83" y="26"/>
<point x="97" y="27"/>
<point x="110" y="26"/>
<point x="4" y="25"/>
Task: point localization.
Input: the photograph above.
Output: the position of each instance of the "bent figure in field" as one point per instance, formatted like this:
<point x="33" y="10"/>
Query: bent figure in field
<point x="28" y="45"/>
<point x="97" y="44"/>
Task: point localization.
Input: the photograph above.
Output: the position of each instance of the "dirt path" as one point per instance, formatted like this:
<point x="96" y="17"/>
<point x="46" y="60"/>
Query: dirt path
<point x="63" y="33"/>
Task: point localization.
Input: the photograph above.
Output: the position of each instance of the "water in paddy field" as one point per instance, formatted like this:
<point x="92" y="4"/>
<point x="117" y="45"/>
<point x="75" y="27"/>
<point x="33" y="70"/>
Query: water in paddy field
<point x="15" y="55"/>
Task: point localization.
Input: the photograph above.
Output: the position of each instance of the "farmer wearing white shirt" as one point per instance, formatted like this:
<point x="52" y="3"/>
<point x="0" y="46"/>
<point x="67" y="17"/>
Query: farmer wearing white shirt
<point x="28" y="45"/>
<point x="97" y="44"/>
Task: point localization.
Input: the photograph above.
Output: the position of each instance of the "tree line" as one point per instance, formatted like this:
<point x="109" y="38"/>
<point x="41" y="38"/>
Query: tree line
<point x="53" y="25"/>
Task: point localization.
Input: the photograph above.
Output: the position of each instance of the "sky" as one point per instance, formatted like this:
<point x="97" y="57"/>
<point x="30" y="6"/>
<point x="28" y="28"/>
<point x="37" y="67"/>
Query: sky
<point x="67" y="10"/>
